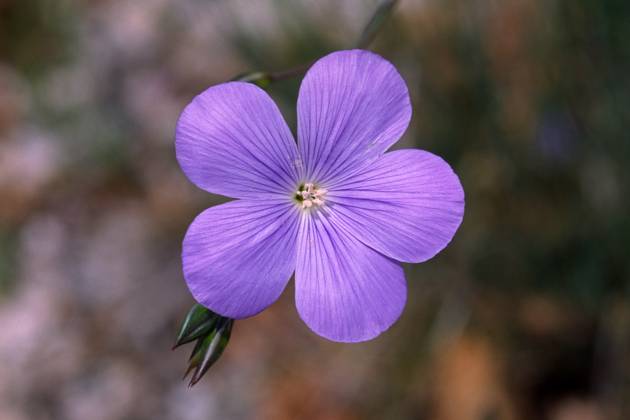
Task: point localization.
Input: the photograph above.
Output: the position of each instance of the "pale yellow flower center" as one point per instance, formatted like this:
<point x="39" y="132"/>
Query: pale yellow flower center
<point x="310" y="195"/>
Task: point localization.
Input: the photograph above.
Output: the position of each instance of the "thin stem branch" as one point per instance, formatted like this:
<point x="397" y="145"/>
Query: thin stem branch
<point x="290" y="73"/>
<point x="374" y="25"/>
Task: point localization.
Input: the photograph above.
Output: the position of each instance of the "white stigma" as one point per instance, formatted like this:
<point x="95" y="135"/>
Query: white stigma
<point x="310" y="195"/>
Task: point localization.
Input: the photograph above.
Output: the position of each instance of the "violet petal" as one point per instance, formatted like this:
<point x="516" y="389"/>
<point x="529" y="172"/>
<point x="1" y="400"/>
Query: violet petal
<point x="407" y="205"/>
<point x="344" y="290"/>
<point x="232" y="140"/>
<point x="239" y="256"/>
<point x="352" y="106"/>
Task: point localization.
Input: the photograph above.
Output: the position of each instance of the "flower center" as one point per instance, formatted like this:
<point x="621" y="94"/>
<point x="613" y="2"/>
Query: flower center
<point x="310" y="195"/>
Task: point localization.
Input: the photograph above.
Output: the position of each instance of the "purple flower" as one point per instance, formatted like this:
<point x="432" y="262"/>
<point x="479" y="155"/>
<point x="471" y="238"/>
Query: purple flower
<point x="334" y="208"/>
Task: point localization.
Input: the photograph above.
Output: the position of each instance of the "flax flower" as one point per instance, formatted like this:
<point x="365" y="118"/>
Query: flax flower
<point x="334" y="208"/>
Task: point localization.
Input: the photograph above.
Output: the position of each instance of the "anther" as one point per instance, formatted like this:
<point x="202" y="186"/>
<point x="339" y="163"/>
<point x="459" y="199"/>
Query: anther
<point x="309" y="195"/>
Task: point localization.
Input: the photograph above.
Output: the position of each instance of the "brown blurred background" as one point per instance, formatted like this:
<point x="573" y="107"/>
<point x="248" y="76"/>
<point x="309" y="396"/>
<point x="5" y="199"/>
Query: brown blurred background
<point x="526" y="315"/>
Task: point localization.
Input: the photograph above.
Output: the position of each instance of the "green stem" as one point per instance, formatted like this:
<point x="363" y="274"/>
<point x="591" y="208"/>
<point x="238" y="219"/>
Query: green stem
<point x="374" y="25"/>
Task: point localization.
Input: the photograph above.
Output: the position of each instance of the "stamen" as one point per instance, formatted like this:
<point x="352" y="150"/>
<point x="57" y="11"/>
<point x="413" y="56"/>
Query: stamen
<point x="309" y="195"/>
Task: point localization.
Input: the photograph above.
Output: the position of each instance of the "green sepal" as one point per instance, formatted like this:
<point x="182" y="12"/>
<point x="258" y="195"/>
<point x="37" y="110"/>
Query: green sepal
<point x="260" y="79"/>
<point x="198" y="322"/>
<point x="209" y="349"/>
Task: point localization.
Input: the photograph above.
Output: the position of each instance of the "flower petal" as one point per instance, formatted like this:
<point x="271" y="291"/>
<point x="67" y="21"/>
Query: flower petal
<point x="239" y="256"/>
<point x="407" y="205"/>
<point x="344" y="290"/>
<point x="232" y="140"/>
<point x="352" y="106"/>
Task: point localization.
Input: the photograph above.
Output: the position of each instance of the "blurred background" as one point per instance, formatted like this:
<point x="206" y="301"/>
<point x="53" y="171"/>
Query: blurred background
<point x="526" y="315"/>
